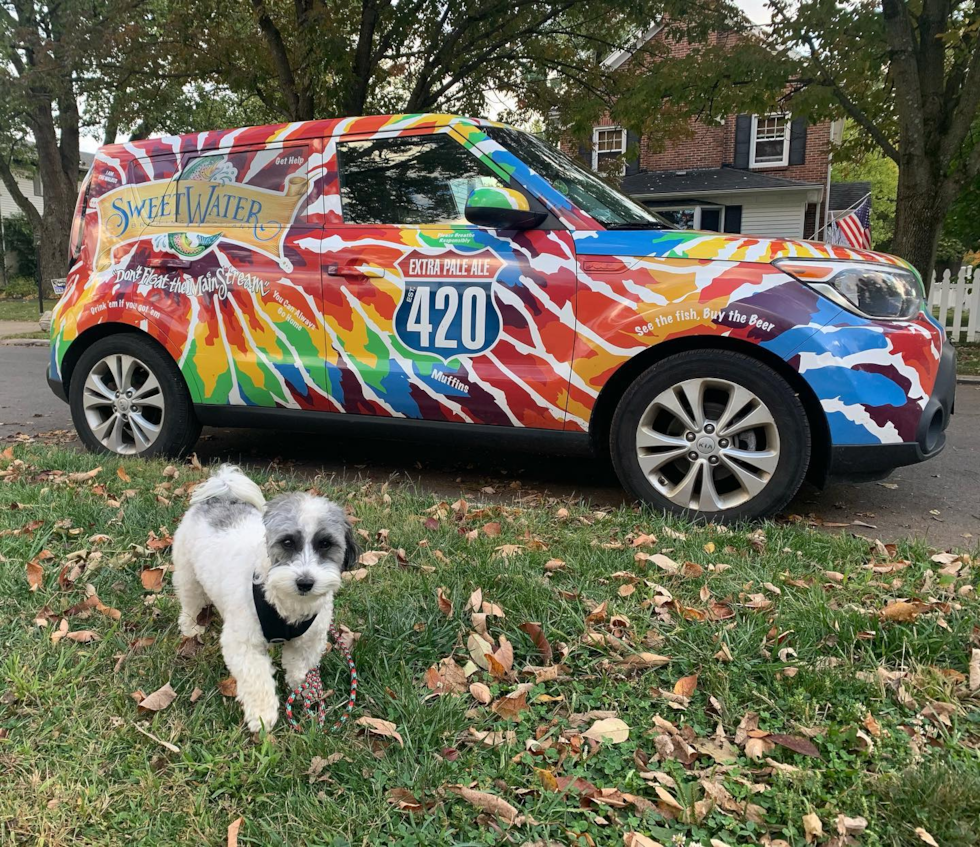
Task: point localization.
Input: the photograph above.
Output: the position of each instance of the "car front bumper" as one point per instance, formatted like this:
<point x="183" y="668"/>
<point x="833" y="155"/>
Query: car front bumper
<point x="863" y="461"/>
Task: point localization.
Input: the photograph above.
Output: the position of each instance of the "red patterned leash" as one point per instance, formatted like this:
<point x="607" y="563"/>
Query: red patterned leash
<point x="310" y="693"/>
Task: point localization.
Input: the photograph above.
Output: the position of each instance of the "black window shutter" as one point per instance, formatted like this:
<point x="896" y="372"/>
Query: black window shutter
<point x="585" y="154"/>
<point x="797" y="141"/>
<point x="743" y="139"/>
<point x="632" y="150"/>
<point x="733" y="219"/>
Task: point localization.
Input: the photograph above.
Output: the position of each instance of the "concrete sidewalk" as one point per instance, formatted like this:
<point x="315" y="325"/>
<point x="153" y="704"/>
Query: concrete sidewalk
<point x="12" y="329"/>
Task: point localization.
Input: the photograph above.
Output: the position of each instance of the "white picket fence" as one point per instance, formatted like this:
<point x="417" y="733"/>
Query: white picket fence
<point x="961" y="296"/>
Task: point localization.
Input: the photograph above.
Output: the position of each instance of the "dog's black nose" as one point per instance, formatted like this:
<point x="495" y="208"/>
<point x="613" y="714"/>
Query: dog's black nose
<point x="304" y="584"/>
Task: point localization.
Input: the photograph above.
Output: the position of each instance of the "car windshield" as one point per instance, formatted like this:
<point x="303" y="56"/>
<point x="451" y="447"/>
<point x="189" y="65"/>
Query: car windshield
<point x="586" y="190"/>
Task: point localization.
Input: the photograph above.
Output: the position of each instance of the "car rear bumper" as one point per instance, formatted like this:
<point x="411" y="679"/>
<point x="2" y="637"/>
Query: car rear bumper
<point x="56" y="385"/>
<point x="869" y="461"/>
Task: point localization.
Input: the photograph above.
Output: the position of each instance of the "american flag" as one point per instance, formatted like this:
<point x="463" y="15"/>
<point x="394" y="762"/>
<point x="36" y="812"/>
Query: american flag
<point x="854" y="228"/>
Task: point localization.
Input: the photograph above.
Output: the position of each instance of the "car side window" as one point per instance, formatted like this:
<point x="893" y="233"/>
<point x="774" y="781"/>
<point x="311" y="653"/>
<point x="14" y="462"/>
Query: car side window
<point x="409" y="180"/>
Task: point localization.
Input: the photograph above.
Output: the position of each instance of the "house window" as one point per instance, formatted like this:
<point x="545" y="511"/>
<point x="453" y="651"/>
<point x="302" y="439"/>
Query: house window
<point x="38" y="186"/>
<point x="770" y="141"/>
<point x="705" y="218"/>
<point x="608" y="142"/>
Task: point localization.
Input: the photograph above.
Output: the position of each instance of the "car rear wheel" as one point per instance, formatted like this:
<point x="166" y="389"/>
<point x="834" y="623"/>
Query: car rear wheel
<point x="711" y="435"/>
<point x="127" y="397"/>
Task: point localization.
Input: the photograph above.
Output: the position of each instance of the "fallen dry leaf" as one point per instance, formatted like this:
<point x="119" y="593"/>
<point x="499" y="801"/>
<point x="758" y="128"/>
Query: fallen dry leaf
<point x="229" y="687"/>
<point x="609" y="730"/>
<point x="645" y="660"/>
<point x="803" y="746"/>
<point x="511" y="706"/>
<point x="446" y="678"/>
<point x="84" y="476"/>
<point x="158" y="700"/>
<point x="383" y="728"/>
<point x="487" y="802"/>
<point x="900" y="612"/>
<point x="975" y="670"/>
<point x="491" y="529"/>
<point x="82" y="636"/>
<point x="35" y="575"/>
<point x="686" y="685"/>
<point x="233" y="828"/>
<point x="481" y="693"/>
<point x="638" y="839"/>
<point x="812" y="828"/>
<point x="404" y="800"/>
<point x="152" y="579"/>
<point x="479" y="648"/>
<point x="445" y="604"/>
<point x="926" y="837"/>
<point x="537" y="635"/>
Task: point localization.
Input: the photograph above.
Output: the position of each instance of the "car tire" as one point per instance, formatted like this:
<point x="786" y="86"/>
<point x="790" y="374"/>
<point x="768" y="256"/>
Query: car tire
<point x="128" y="397"/>
<point x="711" y="435"/>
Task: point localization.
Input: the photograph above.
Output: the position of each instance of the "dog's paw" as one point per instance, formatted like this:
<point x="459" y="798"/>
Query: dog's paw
<point x="293" y="682"/>
<point x="189" y="627"/>
<point x="257" y="723"/>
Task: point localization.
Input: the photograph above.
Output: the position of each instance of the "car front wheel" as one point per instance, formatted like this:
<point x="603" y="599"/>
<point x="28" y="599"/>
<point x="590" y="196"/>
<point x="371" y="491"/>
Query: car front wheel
<point x="127" y="397"/>
<point x="711" y="435"/>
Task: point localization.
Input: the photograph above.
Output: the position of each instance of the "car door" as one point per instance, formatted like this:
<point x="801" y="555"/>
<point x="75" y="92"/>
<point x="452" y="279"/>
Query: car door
<point x="232" y="241"/>
<point x="428" y="316"/>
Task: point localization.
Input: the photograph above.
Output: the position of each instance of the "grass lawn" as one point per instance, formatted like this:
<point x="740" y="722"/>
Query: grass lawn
<point x="21" y="310"/>
<point x="773" y="681"/>
<point x="968" y="359"/>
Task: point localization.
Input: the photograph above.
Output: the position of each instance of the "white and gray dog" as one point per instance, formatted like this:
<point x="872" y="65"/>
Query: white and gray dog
<point x="271" y="570"/>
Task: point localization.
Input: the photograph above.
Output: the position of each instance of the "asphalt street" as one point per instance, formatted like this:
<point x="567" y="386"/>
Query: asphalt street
<point x="937" y="500"/>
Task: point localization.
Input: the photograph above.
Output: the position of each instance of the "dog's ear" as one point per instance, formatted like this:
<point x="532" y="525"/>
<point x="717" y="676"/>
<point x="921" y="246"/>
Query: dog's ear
<point x="351" y="552"/>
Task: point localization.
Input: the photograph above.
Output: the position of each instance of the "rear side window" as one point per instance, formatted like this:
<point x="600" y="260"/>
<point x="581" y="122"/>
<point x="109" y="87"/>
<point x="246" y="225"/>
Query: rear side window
<point x="409" y="180"/>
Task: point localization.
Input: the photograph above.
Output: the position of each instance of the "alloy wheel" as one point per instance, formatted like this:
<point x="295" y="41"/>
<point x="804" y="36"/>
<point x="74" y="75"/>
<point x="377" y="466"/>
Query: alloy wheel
<point x="123" y="403"/>
<point x="707" y="444"/>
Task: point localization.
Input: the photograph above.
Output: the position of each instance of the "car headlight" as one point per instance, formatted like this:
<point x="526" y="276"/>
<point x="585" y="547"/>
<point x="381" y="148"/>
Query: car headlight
<point x="872" y="290"/>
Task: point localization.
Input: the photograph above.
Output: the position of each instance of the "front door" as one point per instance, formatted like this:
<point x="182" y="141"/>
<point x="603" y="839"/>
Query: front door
<point x="428" y="316"/>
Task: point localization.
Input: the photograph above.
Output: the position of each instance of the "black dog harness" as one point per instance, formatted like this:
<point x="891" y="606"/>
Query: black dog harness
<point x="275" y="629"/>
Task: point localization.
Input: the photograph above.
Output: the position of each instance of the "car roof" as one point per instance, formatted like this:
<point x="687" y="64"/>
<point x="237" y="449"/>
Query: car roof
<point x="257" y="135"/>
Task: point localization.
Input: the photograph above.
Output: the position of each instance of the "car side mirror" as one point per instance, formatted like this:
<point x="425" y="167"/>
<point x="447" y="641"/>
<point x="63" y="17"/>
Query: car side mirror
<point x="501" y="208"/>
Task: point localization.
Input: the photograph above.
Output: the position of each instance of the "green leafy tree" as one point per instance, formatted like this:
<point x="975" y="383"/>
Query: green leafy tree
<point x="862" y="165"/>
<point x="906" y="72"/>
<point x="305" y="59"/>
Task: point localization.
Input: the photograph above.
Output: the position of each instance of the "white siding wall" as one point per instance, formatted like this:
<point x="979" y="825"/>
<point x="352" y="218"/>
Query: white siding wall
<point x="7" y="205"/>
<point x="777" y="214"/>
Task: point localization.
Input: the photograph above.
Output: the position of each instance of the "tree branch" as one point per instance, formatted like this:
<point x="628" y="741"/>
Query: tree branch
<point x="25" y="205"/>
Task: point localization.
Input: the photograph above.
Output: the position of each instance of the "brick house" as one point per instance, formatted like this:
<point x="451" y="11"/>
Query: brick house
<point x="762" y="175"/>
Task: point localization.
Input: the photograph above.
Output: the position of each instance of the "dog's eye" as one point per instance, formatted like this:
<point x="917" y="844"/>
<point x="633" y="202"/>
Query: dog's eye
<point x="288" y="543"/>
<point x="324" y="544"/>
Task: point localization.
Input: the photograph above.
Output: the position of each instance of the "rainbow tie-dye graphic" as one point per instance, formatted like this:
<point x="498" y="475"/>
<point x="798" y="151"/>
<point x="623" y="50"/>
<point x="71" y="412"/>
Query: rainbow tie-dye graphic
<point x="230" y="249"/>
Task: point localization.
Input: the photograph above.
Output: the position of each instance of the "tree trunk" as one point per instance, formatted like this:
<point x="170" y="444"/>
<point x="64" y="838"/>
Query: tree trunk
<point x="52" y="249"/>
<point x="918" y="218"/>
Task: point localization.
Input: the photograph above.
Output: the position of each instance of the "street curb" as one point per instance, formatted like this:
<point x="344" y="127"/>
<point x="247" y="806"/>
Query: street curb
<point x="968" y="380"/>
<point x="24" y="342"/>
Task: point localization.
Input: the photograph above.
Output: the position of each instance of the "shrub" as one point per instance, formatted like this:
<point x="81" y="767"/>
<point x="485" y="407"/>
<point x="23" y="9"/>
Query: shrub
<point x="19" y="240"/>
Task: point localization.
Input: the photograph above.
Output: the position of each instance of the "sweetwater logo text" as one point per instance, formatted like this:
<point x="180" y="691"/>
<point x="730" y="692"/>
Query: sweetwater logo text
<point x="193" y="214"/>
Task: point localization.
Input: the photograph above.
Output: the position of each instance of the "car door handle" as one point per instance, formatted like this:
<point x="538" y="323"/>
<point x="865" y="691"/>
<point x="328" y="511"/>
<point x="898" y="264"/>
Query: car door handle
<point x="353" y="269"/>
<point x="167" y="262"/>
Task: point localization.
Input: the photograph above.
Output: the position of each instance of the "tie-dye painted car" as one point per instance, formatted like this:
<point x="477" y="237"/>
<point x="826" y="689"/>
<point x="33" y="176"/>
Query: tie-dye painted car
<point x="463" y="277"/>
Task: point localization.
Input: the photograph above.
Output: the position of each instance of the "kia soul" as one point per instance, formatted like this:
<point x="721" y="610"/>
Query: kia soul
<point x="459" y="276"/>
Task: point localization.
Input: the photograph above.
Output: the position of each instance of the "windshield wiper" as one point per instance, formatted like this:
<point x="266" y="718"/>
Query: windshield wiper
<point x="647" y="225"/>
